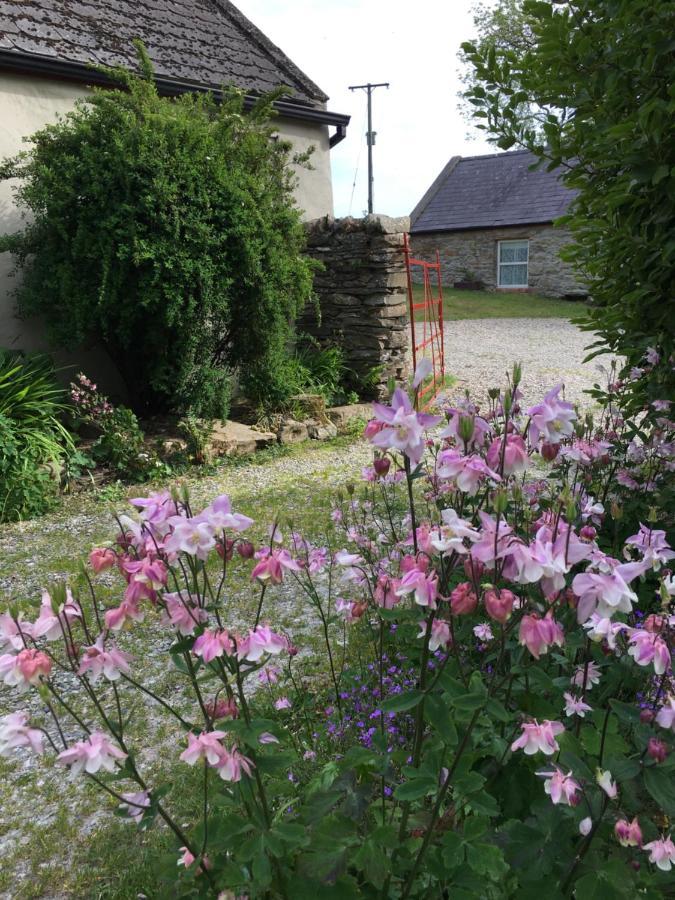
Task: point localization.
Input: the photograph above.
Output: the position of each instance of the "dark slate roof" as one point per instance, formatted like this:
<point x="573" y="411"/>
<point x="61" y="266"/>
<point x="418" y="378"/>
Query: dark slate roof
<point x="206" y="43"/>
<point x="489" y="192"/>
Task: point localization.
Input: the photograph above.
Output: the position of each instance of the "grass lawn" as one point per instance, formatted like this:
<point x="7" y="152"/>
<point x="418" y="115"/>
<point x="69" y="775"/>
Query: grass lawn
<point x="493" y="305"/>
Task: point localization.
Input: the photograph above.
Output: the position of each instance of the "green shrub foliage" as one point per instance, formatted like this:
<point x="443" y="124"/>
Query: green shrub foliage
<point x="166" y="229"/>
<point x="591" y="90"/>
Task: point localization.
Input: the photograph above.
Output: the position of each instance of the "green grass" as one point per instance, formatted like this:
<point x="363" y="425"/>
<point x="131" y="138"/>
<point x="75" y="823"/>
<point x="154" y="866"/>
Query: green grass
<point x="499" y="305"/>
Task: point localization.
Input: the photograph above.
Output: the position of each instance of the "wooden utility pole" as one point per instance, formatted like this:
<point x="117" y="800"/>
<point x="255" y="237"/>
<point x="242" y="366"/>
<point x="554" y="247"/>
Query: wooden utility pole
<point x="370" y="134"/>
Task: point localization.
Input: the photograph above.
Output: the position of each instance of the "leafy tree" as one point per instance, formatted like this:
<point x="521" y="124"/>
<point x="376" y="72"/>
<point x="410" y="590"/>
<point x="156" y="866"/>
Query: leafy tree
<point x="166" y="229"/>
<point x="602" y="72"/>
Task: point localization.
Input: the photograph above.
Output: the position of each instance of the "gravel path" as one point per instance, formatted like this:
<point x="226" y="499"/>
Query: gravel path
<point x="478" y="352"/>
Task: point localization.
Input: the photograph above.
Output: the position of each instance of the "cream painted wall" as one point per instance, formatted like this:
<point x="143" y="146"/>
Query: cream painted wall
<point x="26" y="105"/>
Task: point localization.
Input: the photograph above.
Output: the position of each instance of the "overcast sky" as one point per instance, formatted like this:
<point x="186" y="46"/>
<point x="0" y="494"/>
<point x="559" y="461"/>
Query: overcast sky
<point x="410" y="43"/>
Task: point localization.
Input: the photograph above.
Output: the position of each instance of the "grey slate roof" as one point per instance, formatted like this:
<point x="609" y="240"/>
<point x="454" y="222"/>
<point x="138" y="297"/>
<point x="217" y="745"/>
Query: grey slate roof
<point x="489" y="192"/>
<point x="201" y="42"/>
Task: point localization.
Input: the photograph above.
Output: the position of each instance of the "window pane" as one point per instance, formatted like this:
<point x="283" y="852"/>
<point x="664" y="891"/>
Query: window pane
<point x="513" y="251"/>
<point x="512" y="275"/>
<point x="521" y="253"/>
<point x="507" y="253"/>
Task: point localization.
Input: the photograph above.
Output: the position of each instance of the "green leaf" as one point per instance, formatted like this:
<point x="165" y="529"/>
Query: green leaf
<point x="453" y="848"/>
<point x="401" y="702"/>
<point x="486" y="859"/>
<point x="469" y="702"/>
<point x="416" y="788"/>
<point x="661" y="785"/>
<point x="438" y="715"/>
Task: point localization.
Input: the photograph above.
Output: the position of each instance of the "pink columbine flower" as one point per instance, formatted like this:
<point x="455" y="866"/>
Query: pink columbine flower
<point x="97" y="661"/>
<point x="219" y="516"/>
<point x="599" y="629"/>
<point x="652" y="356"/>
<point x="515" y="455"/>
<point x="665" y="717"/>
<point x="190" y="536"/>
<point x="539" y="738"/>
<point x="26" y="668"/>
<point x="606" y="593"/>
<point x="649" y="648"/>
<point x="628" y="834"/>
<point x="586" y="676"/>
<point x="403" y="427"/>
<point x="440" y="636"/>
<point x="604" y="779"/>
<point x="272" y="565"/>
<point x="560" y="788"/>
<point x="484" y="549"/>
<point x="213" y="642"/>
<point x="468" y="472"/>
<point x="653" y="546"/>
<point x="499" y="604"/>
<point x="260" y="641"/>
<point x="102" y="558"/>
<point x="463" y="599"/>
<point x="13" y="631"/>
<point x="539" y="634"/>
<point x="94" y="753"/>
<point x="282" y="703"/>
<point x="483" y="632"/>
<point x="155" y="509"/>
<point x="575" y="706"/>
<point x="183" y="613"/>
<point x="145" y="576"/>
<point x="186" y="858"/>
<point x="450" y="536"/>
<point x="52" y="625"/>
<point x="423" y="586"/>
<point x="135" y="805"/>
<point x="15" y="732"/>
<point x="553" y="419"/>
<point x="233" y="764"/>
<point x="206" y="745"/>
<point x="661" y="853"/>
<point x="466" y="427"/>
<point x="119" y="616"/>
<point x="657" y="749"/>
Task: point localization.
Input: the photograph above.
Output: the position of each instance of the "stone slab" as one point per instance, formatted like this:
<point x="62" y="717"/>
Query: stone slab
<point x="236" y="439"/>
<point x="341" y="416"/>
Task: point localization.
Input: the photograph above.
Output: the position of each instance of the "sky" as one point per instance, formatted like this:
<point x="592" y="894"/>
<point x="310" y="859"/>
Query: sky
<point x="413" y="45"/>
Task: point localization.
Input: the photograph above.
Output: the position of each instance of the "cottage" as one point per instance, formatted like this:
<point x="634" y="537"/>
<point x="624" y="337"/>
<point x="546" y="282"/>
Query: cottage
<point x="46" y="51"/>
<point x="491" y="219"/>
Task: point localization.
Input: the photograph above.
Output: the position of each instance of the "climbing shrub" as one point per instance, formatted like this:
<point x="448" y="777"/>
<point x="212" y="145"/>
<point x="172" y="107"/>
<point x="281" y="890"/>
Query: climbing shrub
<point x="165" y="228"/>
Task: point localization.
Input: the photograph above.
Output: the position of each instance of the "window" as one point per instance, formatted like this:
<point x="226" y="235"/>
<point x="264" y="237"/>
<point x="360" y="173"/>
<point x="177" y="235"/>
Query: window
<point x="512" y="264"/>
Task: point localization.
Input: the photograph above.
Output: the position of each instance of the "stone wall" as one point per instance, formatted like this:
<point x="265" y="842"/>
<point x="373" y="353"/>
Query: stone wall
<point x="476" y="251"/>
<point x="362" y="293"/>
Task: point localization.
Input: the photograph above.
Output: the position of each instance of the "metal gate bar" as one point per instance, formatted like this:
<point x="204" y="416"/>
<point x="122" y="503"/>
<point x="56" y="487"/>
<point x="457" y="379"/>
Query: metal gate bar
<point x="431" y="345"/>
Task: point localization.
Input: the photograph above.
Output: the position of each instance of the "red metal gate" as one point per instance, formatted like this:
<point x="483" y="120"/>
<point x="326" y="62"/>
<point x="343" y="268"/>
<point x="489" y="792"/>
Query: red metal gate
<point x="425" y="299"/>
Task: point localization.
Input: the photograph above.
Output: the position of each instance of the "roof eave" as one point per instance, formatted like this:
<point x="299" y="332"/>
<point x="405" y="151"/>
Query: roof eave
<point x="84" y="73"/>
<point x="445" y="230"/>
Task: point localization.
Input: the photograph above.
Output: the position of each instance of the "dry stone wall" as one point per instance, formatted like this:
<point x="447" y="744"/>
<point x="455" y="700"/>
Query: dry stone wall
<point x="362" y="294"/>
<point x="475" y="251"/>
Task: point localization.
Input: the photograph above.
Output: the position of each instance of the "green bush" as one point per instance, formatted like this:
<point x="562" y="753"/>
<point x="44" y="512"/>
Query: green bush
<point x="33" y="441"/>
<point x="165" y="229"/>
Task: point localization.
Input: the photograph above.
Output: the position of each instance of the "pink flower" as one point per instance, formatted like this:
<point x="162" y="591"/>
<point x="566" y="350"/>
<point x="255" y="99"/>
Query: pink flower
<point x="483" y="632"/>
<point x="604" y="779"/>
<point x="553" y="419"/>
<point x="586" y="676"/>
<point x="463" y="599"/>
<point x="560" y="788"/>
<point x="186" y="858"/>
<point x="484" y="549"/>
<point x="649" y="648"/>
<point x="13" y="631"/>
<point x="542" y="561"/>
<point x="661" y="853"/>
<point x="146" y="577"/>
<point x="665" y="717"/>
<point x="206" y="746"/>
<point x="440" y="637"/>
<point x="539" y="634"/>
<point x="575" y="706"/>
<point x="135" y="805"/>
<point x="28" y="667"/>
<point x="499" y="604"/>
<point x="403" y="428"/>
<point x="385" y="592"/>
<point x="15" y="733"/>
<point x="604" y="630"/>
<point x="468" y="472"/>
<point x="424" y="587"/>
<point x="155" y="509"/>
<point x="272" y="565"/>
<point x="585" y="826"/>
<point x="652" y="544"/>
<point x="628" y="834"/>
<point x="515" y="455"/>
<point x="127" y="612"/>
<point x="652" y="356"/>
<point x="467" y="427"/>
<point x="450" y="536"/>
<point x="102" y="558"/>
<point x="213" y="643"/>
<point x="51" y="625"/>
<point x="219" y="516"/>
<point x="606" y="594"/>
<point x="282" y="703"/>
<point x="233" y="764"/>
<point x="98" y="661"/>
<point x="657" y="750"/>
<point x="260" y="641"/>
<point x="183" y="613"/>
<point x="267" y="738"/>
<point x="536" y="738"/>
<point x="94" y="753"/>
<point x="190" y="536"/>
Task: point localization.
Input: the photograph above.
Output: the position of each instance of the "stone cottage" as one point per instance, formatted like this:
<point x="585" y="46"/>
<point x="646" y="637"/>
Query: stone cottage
<point x="491" y="219"/>
<point x="47" y="48"/>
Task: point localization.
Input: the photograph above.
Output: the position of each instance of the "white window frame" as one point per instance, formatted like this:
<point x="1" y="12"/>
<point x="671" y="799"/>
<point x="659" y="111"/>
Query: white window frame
<point x="526" y="263"/>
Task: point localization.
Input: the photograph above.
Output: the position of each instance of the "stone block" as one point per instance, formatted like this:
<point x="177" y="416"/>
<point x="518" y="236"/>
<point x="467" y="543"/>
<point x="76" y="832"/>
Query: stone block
<point x="340" y="416"/>
<point x="292" y="432"/>
<point x="321" y="431"/>
<point x="235" y="439"/>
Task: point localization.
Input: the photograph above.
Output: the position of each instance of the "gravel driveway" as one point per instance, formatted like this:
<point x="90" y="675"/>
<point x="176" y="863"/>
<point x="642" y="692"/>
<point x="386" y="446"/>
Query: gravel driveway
<point x="478" y="352"/>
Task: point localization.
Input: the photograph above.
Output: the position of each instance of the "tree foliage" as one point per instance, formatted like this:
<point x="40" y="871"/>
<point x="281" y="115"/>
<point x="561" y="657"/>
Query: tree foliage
<point x="602" y="73"/>
<point x="166" y="229"/>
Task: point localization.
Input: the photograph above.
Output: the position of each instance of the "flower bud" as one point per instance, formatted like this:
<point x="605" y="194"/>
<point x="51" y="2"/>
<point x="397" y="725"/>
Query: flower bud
<point x="245" y="549"/>
<point x="381" y="465"/>
<point x="587" y="533"/>
<point x="463" y="599"/>
<point x="627" y="833"/>
<point x="500" y="502"/>
<point x="466" y="428"/>
<point x="647" y="716"/>
<point x="657" y="749"/>
<point x="499" y="604"/>
<point x="549" y="451"/>
<point x="493" y="393"/>
<point x="473" y="568"/>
